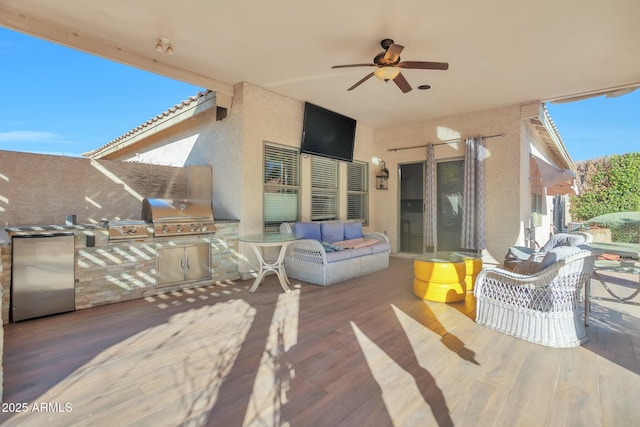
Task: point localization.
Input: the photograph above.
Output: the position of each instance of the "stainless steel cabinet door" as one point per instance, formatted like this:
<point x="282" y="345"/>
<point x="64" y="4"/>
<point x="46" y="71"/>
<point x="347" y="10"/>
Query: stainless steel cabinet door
<point x="198" y="261"/>
<point x="171" y="265"/>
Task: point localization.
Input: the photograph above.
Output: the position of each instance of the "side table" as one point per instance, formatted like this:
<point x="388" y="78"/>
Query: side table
<point x="440" y="276"/>
<point x="261" y="241"/>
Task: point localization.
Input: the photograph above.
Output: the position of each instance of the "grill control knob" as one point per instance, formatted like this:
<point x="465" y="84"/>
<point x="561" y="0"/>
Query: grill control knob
<point x="192" y="227"/>
<point x="178" y="229"/>
<point x="165" y="229"/>
<point x="204" y="228"/>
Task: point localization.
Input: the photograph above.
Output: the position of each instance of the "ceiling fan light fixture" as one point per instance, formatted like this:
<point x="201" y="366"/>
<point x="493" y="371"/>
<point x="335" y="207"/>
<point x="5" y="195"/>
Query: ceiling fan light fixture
<point x="159" y="47"/>
<point x="386" y="73"/>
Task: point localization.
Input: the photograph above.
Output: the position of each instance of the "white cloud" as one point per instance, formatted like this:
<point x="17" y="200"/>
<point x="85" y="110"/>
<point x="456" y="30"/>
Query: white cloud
<point x="28" y="136"/>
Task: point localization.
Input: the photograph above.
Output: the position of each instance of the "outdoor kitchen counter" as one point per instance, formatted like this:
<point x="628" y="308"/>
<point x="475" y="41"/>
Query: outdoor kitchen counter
<point x="52" y="228"/>
<point x="106" y="272"/>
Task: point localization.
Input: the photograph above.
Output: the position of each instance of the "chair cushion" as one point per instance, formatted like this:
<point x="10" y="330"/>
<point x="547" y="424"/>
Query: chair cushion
<point x="352" y="230"/>
<point x="308" y="230"/>
<point x="332" y="231"/>
<point x="558" y="253"/>
<point x="518" y="253"/>
<point x="563" y="239"/>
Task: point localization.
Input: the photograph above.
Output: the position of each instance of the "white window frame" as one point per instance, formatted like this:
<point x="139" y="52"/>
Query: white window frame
<point x="358" y="191"/>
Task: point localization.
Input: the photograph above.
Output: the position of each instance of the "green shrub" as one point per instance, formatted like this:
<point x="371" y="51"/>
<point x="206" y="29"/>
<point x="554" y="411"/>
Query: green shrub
<point x="607" y="185"/>
<point x="624" y="226"/>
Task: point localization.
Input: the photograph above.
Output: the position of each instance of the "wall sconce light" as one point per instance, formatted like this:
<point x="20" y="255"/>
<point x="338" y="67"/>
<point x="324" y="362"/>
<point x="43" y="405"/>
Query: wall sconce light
<point x="382" y="177"/>
<point x="164" y="45"/>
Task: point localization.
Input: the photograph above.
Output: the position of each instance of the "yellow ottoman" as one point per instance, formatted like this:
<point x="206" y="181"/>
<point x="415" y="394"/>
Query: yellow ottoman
<point x="440" y="277"/>
<point x="473" y="265"/>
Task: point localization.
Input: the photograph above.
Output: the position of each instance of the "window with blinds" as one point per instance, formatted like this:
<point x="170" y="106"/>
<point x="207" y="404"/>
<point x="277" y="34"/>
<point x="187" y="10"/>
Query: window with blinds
<point x="281" y="185"/>
<point x="324" y="189"/>
<point x="358" y="192"/>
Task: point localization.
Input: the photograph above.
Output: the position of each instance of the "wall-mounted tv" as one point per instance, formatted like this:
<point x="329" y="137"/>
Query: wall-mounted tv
<point x="328" y="134"/>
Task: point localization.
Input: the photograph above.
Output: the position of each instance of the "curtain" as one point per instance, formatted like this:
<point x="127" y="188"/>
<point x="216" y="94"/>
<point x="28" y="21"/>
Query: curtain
<point x="430" y="206"/>
<point x="473" y="209"/>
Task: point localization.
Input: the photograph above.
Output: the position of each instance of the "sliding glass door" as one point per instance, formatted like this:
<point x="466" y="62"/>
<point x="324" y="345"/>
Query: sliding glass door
<point x="411" y="207"/>
<point x="450" y="190"/>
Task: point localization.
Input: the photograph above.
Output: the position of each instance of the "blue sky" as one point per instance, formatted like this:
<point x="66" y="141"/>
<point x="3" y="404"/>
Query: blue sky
<point x="56" y="100"/>
<point x="45" y="89"/>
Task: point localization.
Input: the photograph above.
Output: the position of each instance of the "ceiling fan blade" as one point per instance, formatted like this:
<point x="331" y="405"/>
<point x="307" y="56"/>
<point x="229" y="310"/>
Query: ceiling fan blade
<point x="364" y="79"/>
<point x="402" y="83"/>
<point x="423" y="65"/>
<point x="393" y="53"/>
<point x="354" y="65"/>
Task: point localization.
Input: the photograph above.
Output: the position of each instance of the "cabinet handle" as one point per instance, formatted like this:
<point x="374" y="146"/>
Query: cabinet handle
<point x="188" y="263"/>
<point x="181" y="263"/>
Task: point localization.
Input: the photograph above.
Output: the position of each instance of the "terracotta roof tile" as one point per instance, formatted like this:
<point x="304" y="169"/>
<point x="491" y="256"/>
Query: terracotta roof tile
<point x="160" y="117"/>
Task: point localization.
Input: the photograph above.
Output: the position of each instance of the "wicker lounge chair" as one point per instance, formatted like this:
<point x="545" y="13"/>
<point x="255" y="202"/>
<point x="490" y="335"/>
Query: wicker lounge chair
<point x="542" y="307"/>
<point x="518" y="254"/>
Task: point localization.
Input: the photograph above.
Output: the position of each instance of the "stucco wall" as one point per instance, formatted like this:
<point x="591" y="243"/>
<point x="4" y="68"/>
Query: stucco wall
<point x="271" y="117"/>
<point x="41" y="189"/>
<point x="503" y="169"/>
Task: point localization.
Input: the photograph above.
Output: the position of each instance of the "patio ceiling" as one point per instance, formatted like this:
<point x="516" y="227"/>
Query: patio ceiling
<point x="499" y="53"/>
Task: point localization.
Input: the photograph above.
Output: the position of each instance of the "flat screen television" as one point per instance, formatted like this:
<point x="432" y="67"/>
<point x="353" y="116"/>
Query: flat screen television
<point x="327" y="133"/>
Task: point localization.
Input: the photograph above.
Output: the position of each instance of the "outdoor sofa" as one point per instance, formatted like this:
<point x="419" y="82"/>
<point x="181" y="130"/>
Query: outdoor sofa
<point x="329" y="252"/>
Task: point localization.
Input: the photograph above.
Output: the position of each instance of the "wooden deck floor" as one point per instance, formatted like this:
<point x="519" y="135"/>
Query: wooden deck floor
<point x="365" y="352"/>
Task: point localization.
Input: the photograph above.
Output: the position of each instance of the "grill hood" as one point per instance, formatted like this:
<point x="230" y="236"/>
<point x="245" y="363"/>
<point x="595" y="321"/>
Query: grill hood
<point x="176" y="210"/>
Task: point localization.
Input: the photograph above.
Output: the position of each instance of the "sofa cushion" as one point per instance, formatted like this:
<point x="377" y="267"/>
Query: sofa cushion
<point x="338" y="256"/>
<point x="332" y="231"/>
<point x="378" y="247"/>
<point x="352" y="230"/>
<point x="358" y="252"/>
<point x="308" y="230"/>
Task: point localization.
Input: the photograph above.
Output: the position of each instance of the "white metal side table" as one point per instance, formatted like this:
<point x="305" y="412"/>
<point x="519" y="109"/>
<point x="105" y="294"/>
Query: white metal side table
<point x="261" y="241"/>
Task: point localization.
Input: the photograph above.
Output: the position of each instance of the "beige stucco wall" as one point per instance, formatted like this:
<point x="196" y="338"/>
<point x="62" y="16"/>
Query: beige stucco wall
<point x="503" y="169"/>
<point x="271" y="117"/>
<point x="42" y="189"/>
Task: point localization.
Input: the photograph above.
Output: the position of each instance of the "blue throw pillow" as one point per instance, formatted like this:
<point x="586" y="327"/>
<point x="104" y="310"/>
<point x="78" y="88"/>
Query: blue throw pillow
<point x="308" y="230"/>
<point x="330" y="247"/>
<point x="332" y="232"/>
<point x="352" y="230"/>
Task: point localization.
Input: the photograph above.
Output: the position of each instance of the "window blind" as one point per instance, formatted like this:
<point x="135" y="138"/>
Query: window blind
<point x="357" y="191"/>
<point x="281" y="177"/>
<point x="324" y="189"/>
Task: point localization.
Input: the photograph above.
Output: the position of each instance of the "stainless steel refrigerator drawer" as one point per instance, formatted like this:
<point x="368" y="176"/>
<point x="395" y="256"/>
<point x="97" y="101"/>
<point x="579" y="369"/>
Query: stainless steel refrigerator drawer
<point x="42" y="275"/>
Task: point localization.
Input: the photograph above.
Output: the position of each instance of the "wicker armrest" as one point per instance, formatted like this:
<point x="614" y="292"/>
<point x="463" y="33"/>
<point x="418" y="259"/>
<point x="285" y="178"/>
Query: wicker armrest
<point x="308" y="250"/>
<point x="376" y="235"/>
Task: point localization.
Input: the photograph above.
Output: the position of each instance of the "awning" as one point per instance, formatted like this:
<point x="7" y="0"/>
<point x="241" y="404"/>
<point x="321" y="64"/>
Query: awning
<point x="555" y="179"/>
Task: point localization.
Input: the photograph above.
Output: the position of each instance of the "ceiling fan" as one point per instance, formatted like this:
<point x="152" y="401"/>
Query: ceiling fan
<point x="389" y="65"/>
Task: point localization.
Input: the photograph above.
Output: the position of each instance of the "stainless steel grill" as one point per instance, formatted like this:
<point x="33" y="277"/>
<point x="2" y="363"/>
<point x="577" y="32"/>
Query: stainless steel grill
<point x="178" y="217"/>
